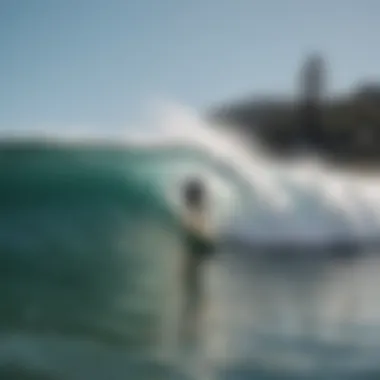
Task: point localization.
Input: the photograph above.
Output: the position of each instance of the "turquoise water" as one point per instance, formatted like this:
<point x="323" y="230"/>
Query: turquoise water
<point x="90" y="282"/>
<point x="86" y="242"/>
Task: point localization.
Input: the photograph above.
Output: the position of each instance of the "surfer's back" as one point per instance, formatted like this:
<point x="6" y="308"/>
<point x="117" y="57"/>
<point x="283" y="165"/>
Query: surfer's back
<point x="195" y="216"/>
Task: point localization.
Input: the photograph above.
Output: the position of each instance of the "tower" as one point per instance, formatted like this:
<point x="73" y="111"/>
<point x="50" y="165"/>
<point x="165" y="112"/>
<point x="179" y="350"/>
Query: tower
<point x="312" y="78"/>
<point x="312" y="91"/>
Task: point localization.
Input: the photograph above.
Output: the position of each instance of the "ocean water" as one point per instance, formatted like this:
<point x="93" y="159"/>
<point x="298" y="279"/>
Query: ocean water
<point x="91" y="254"/>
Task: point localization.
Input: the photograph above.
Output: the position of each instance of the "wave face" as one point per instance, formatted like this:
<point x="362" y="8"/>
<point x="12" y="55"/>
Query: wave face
<point x="91" y="254"/>
<point x="86" y="246"/>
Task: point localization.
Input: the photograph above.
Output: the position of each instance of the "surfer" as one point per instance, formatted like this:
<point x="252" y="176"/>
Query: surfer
<point x="199" y="246"/>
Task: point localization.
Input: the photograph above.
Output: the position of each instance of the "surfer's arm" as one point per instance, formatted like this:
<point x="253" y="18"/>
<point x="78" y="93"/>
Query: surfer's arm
<point x="198" y="224"/>
<point x="199" y="235"/>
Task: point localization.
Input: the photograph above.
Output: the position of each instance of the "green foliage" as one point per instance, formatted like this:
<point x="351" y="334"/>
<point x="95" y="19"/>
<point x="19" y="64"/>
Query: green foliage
<point x="349" y="128"/>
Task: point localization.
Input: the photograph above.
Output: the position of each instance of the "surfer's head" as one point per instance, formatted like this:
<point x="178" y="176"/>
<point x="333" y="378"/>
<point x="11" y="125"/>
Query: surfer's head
<point x="194" y="192"/>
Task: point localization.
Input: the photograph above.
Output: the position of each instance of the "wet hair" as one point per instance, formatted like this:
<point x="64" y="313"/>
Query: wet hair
<point x="194" y="192"/>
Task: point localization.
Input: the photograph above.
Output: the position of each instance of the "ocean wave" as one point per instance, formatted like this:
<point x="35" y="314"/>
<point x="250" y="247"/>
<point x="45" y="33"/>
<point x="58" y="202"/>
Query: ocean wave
<point x="90" y="238"/>
<point x="253" y="198"/>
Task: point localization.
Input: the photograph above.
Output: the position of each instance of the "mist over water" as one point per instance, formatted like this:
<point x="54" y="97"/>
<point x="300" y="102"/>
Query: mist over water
<point x="292" y="288"/>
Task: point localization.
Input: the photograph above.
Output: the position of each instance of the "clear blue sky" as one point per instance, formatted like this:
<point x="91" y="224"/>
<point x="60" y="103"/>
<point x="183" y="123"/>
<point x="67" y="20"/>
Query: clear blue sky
<point x="100" y="62"/>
